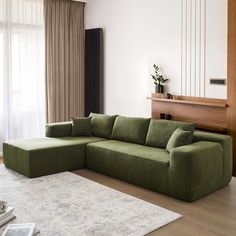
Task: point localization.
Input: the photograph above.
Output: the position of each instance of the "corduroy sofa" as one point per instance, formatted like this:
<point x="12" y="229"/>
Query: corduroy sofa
<point x="130" y="149"/>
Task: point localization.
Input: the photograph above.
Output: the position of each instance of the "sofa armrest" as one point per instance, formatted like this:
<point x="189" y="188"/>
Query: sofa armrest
<point x="56" y="130"/>
<point x="226" y="143"/>
<point x="196" y="169"/>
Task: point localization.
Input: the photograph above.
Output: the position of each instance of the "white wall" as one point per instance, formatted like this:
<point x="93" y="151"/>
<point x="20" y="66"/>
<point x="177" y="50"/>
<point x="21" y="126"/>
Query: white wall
<point x="139" y="33"/>
<point x="216" y="46"/>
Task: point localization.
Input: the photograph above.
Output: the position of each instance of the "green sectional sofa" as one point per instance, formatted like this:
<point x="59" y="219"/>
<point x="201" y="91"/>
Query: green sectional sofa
<point x="165" y="156"/>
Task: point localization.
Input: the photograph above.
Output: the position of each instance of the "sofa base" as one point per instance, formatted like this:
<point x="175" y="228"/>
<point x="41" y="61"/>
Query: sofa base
<point x="188" y="173"/>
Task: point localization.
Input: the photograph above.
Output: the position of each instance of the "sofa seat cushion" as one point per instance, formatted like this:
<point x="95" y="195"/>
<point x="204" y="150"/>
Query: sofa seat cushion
<point x="43" y="156"/>
<point x="137" y="164"/>
<point x="130" y="129"/>
<point x="160" y="131"/>
<point x="136" y="150"/>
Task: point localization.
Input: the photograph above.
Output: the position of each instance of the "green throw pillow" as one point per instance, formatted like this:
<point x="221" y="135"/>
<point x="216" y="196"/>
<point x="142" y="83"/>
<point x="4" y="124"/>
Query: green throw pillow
<point x="160" y="131"/>
<point x="58" y="130"/>
<point x="179" y="138"/>
<point x="81" y="127"/>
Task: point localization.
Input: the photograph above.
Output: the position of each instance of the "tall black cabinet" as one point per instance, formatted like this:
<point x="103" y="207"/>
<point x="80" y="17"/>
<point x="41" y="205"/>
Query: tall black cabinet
<point x="94" y="71"/>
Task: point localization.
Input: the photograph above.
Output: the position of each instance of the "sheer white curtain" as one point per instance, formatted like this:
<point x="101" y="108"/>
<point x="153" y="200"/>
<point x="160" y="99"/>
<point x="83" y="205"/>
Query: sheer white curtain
<point x="22" y="85"/>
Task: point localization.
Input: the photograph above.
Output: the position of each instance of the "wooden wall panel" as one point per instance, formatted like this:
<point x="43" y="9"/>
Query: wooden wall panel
<point x="231" y="111"/>
<point x="212" y="118"/>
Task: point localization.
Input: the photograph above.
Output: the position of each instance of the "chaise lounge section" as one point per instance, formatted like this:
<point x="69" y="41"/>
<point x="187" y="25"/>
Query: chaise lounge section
<point x="136" y="150"/>
<point x="44" y="156"/>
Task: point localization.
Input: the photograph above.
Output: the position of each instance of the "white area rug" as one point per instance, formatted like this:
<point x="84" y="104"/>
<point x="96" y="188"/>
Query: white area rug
<point x="66" y="204"/>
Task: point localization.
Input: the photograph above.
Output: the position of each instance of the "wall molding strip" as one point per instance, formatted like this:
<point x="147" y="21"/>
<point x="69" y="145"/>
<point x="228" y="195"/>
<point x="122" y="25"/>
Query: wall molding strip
<point x="193" y="47"/>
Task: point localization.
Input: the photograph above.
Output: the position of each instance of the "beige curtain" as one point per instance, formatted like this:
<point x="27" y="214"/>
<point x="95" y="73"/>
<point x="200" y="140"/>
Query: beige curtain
<point x="64" y="33"/>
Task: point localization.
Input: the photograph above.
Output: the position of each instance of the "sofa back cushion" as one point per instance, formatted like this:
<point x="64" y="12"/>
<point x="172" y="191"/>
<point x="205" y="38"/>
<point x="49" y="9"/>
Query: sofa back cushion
<point x="102" y="125"/>
<point x="130" y="129"/>
<point x="160" y="131"/>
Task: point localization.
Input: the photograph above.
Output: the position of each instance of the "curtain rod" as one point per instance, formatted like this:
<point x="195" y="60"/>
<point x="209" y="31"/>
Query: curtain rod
<point x="80" y="0"/>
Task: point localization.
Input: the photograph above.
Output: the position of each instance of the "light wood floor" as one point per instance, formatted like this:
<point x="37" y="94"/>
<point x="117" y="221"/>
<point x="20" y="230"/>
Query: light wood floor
<point x="213" y="215"/>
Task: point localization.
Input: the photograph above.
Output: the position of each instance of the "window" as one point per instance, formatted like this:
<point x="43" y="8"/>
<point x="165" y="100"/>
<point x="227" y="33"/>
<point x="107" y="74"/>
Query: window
<point x="22" y="88"/>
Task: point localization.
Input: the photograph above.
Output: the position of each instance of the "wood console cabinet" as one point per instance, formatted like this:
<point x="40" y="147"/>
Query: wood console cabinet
<point x="207" y="114"/>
